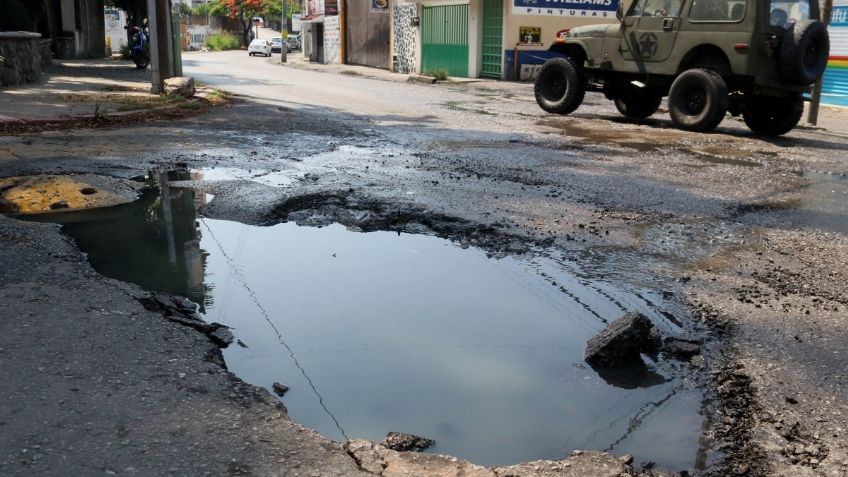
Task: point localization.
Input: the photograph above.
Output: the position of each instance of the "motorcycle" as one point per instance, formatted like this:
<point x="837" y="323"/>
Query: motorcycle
<point x="138" y="48"/>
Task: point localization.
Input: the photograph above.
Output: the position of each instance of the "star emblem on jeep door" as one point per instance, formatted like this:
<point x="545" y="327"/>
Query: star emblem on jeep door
<point x="647" y="44"/>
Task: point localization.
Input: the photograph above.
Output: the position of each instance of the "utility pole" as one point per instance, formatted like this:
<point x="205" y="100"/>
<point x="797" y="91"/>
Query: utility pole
<point x="161" y="47"/>
<point x="815" y="101"/>
<point x="284" y="32"/>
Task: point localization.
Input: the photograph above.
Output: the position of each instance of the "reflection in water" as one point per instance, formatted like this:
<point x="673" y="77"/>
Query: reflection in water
<point x="632" y="376"/>
<point x="153" y="242"/>
<point x="378" y="332"/>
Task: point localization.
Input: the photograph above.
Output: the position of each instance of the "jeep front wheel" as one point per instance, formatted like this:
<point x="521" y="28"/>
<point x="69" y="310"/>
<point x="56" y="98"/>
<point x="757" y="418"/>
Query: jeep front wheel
<point x="638" y="105"/>
<point x="773" y="116"/>
<point x="697" y="100"/>
<point x="560" y="86"/>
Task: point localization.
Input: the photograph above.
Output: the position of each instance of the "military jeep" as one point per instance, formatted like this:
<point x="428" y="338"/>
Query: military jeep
<point x="756" y="58"/>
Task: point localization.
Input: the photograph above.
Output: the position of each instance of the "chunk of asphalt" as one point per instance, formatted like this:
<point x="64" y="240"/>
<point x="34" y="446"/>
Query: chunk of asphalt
<point x="401" y="442"/>
<point x="622" y="341"/>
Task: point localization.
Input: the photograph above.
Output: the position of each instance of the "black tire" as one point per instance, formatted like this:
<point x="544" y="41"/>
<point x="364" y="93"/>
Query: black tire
<point x="141" y="61"/>
<point x="697" y="100"/>
<point x="560" y="86"/>
<point x="638" y="104"/>
<point x="804" y="51"/>
<point x="770" y="116"/>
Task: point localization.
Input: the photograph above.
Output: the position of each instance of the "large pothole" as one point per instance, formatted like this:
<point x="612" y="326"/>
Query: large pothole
<point x="390" y="331"/>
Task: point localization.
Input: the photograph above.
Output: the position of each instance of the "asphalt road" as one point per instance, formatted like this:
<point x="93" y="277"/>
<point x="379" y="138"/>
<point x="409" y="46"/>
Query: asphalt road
<point x="746" y="236"/>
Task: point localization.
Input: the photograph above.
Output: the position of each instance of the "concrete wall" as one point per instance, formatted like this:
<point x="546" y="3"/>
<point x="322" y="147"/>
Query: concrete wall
<point x="332" y="40"/>
<point x="22" y="57"/>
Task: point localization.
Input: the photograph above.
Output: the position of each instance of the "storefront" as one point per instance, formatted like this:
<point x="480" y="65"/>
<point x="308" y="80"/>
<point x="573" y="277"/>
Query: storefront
<point x="835" y="82"/>
<point x="506" y="39"/>
<point x="532" y="26"/>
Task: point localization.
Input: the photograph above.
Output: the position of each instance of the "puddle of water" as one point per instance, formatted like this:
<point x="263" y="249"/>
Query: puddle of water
<point x="378" y="332"/>
<point x="724" y="160"/>
<point x="269" y="178"/>
<point x="824" y="204"/>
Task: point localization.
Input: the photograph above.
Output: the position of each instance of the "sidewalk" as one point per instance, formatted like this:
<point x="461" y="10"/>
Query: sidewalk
<point x="73" y="90"/>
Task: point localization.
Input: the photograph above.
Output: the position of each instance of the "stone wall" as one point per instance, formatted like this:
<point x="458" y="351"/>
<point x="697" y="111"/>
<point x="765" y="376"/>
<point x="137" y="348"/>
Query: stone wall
<point x="22" y="57"/>
<point x="405" y="37"/>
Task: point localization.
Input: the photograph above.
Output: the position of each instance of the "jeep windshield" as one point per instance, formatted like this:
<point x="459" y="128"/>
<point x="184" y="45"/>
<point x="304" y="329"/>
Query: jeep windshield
<point x="783" y="13"/>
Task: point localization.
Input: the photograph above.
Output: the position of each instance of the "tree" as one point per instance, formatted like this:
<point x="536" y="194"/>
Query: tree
<point x="185" y="9"/>
<point x="244" y="11"/>
<point x="274" y="9"/>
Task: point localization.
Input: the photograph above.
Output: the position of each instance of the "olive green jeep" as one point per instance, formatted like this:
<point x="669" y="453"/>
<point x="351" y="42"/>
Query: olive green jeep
<point x="756" y="58"/>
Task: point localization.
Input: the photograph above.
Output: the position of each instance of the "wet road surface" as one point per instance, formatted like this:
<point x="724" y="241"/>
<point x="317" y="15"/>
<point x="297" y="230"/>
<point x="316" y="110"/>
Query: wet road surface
<point x="743" y="237"/>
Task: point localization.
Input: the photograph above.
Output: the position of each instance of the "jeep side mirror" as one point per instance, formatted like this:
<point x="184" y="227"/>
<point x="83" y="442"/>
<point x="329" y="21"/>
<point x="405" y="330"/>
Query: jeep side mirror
<point x="619" y="12"/>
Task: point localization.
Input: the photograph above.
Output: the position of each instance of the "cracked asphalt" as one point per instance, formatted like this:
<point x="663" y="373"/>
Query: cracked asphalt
<point x="747" y="234"/>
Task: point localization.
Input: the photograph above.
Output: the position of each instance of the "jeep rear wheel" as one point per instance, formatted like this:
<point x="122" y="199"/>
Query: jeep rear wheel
<point x="773" y="116"/>
<point x="697" y="100"/>
<point x="637" y="104"/>
<point x="560" y="87"/>
<point x="804" y="51"/>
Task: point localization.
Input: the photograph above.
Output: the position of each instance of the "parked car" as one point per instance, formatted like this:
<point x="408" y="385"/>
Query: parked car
<point x="753" y="58"/>
<point x="294" y="41"/>
<point x="277" y="45"/>
<point x="259" y="47"/>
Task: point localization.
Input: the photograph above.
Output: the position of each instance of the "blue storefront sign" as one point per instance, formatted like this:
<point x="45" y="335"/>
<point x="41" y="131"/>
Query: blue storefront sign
<point x="565" y="8"/>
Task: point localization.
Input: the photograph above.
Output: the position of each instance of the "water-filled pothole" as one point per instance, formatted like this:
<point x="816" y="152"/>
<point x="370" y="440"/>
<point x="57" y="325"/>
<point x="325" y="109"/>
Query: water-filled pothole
<point x="381" y="331"/>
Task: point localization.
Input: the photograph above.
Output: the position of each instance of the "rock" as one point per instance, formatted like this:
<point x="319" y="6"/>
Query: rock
<point x="401" y="442"/>
<point x="181" y="85"/>
<point x="221" y="336"/>
<point x="279" y="389"/>
<point x="683" y="348"/>
<point x="622" y="341"/>
<point x="421" y="79"/>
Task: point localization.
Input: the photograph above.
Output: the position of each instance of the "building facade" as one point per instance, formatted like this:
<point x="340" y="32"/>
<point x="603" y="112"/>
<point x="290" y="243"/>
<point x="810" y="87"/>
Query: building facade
<point x="835" y="82"/>
<point x="504" y="39"/>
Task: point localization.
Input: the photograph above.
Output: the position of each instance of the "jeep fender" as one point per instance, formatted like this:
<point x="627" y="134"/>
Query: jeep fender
<point x="575" y="50"/>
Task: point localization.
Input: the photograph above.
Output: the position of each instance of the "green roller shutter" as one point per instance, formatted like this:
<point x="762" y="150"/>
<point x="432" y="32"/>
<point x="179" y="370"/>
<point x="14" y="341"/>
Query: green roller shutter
<point x="492" y="39"/>
<point x="444" y="39"/>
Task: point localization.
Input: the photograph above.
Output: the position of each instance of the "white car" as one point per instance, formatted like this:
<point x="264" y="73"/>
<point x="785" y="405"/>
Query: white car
<point x="277" y="45"/>
<point x="259" y="47"/>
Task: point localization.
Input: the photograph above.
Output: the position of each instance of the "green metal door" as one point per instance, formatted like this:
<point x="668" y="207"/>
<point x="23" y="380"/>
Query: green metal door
<point x="492" y="55"/>
<point x="444" y="39"/>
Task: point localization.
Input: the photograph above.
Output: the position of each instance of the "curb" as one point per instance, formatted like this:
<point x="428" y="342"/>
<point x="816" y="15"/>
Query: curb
<point x="421" y="79"/>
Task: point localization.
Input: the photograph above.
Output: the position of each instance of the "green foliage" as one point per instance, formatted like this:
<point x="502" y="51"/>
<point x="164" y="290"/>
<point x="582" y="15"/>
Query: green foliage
<point x="185" y="9"/>
<point x="440" y="74"/>
<point x="204" y="9"/>
<point x="222" y="41"/>
<point x="218" y="7"/>
<point x="15" y="16"/>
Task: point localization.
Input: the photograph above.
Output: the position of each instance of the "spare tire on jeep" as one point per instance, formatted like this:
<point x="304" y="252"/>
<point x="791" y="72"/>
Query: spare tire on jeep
<point x="804" y="51"/>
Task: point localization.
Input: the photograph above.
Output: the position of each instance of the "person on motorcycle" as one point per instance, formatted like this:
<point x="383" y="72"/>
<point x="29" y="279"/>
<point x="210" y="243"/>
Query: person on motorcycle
<point x="138" y="51"/>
